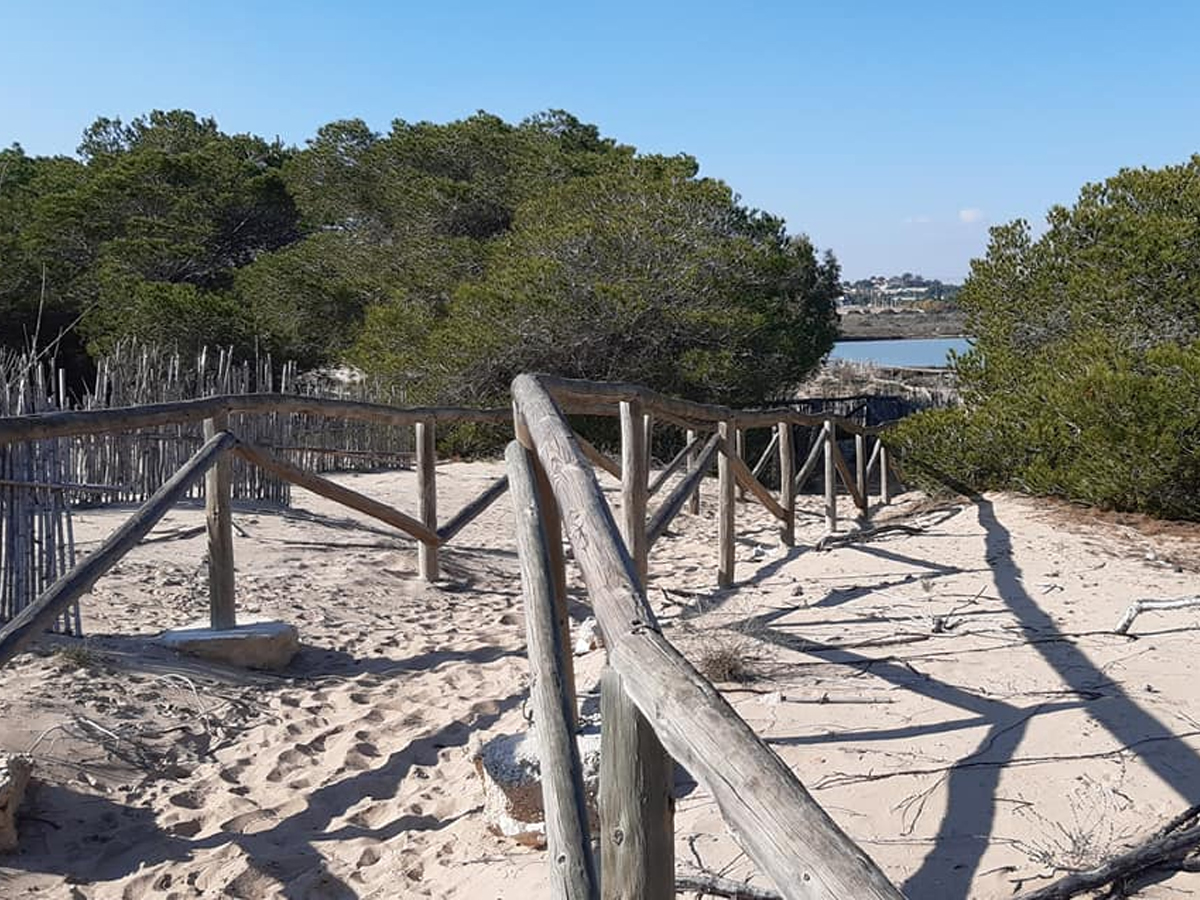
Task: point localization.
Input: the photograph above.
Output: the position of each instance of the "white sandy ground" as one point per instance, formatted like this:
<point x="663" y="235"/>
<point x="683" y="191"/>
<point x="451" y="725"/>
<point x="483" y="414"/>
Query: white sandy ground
<point x="955" y="699"/>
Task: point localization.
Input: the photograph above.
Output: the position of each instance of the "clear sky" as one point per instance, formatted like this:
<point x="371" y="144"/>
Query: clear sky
<point x="893" y="133"/>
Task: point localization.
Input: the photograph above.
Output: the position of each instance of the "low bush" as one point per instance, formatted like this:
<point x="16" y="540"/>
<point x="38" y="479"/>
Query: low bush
<point x="1087" y="420"/>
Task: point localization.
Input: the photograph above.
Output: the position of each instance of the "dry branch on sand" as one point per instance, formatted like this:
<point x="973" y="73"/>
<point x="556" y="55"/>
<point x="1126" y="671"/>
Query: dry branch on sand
<point x="1140" y="606"/>
<point x="1169" y="849"/>
<point x="705" y="884"/>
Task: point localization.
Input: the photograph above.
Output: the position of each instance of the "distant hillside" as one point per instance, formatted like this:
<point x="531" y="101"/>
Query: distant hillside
<point x="897" y="291"/>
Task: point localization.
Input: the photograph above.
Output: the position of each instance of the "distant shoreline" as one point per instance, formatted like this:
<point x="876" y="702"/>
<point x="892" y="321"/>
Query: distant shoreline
<point x="901" y="324"/>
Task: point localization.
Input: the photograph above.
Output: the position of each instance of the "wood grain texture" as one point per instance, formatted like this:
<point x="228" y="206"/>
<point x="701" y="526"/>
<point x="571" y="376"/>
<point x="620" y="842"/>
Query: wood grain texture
<point x="552" y="526"/>
<point x="572" y="867"/>
<point x="218" y="517"/>
<point x="427" y="552"/>
<point x="637" y="806"/>
<point x="778" y="823"/>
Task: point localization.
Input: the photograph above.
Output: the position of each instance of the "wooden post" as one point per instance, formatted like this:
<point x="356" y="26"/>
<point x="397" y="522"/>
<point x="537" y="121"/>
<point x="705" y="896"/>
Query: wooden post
<point x="725" y="513"/>
<point x="637" y="807"/>
<point x="787" y="489"/>
<point x="693" y="503"/>
<point x="785" y="832"/>
<point x="885" y="486"/>
<point x="218" y="496"/>
<point x="830" y="477"/>
<point x="572" y="866"/>
<point x="860" y="473"/>
<point x="648" y="431"/>
<point x="427" y="553"/>
<point x="634" y="486"/>
<point x="739" y="443"/>
<point x="552" y="525"/>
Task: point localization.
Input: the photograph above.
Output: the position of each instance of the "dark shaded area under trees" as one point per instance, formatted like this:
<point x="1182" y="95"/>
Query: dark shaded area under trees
<point x="447" y="256"/>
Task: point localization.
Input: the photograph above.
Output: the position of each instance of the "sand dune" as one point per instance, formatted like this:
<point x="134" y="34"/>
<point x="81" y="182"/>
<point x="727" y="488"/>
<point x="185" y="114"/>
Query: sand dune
<point x="955" y="699"/>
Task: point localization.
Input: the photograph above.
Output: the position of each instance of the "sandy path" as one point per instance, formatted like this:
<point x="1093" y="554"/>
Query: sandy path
<point x="953" y="698"/>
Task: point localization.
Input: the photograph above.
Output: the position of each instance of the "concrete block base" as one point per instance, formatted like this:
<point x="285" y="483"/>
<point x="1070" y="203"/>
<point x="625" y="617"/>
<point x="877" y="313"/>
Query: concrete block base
<point x="14" y="778"/>
<point x="512" y="784"/>
<point x="255" y="643"/>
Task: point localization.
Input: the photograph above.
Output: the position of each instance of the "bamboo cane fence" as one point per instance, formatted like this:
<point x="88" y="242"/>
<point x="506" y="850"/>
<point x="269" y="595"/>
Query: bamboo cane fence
<point x="37" y="541"/>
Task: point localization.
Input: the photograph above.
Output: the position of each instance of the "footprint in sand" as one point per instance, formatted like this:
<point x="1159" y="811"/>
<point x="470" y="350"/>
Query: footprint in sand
<point x="249" y="822"/>
<point x="186" y="800"/>
<point x="361" y="756"/>
<point x="290" y="761"/>
<point x="369" y="856"/>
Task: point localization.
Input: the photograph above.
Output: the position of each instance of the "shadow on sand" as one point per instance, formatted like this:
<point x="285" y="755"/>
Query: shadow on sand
<point x="966" y="827"/>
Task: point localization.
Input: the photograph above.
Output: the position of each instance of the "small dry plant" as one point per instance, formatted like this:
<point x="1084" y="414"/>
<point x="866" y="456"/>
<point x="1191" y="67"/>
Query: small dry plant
<point x="74" y="656"/>
<point x="723" y="653"/>
<point x="724" y="658"/>
<point x="1092" y="835"/>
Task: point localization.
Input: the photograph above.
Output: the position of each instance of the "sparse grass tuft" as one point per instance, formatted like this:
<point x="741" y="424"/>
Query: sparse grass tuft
<point x="74" y="656"/>
<point x="723" y="663"/>
<point x="726" y="656"/>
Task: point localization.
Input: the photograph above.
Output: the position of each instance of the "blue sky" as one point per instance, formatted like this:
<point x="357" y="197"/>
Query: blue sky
<point x="892" y="133"/>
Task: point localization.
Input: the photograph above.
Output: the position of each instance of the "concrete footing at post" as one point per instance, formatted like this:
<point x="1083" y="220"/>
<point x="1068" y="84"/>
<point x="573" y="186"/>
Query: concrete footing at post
<point x="255" y="643"/>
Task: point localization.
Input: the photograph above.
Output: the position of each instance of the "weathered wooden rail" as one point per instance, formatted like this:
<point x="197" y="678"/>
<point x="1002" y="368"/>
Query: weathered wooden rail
<point x="656" y="707"/>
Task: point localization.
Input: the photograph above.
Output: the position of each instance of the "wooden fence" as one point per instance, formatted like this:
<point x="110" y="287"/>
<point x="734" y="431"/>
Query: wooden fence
<point x="129" y="466"/>
<point x="40" y="482"/>
<point x="37" y="541"/>
<point x="655" y="706"/>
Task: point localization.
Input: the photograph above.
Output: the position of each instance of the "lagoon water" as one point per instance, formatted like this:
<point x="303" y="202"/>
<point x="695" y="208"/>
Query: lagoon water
<point x="919" y="352"/>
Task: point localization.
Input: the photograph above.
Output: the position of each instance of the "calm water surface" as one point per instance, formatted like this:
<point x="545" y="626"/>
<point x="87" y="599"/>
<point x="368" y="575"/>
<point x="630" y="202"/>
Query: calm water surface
<point x="904" y="352"/>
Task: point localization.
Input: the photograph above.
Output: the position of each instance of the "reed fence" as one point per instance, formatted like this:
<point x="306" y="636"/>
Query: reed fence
<point x="37" y="541"/>
<point x="656" y="707"/>
<point x="130" y="466"/>
<point x="40" y="482"/>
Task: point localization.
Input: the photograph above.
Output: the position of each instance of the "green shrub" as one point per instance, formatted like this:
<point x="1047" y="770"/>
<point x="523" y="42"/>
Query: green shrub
<point x="1084" y="378"/>
<point x="1089" y="421"/>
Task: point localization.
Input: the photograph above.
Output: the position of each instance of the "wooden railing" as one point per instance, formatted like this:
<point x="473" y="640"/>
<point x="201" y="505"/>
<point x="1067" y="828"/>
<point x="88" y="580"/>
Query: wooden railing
<point x="656" y="708"/>
<point x="212" y="462"/>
